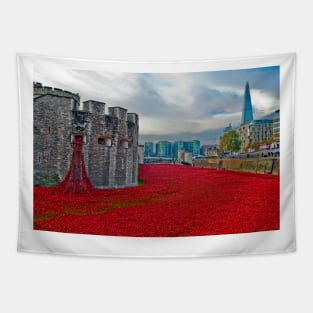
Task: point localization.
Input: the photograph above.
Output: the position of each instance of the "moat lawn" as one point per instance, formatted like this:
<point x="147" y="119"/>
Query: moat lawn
<point x="171" y="200"/>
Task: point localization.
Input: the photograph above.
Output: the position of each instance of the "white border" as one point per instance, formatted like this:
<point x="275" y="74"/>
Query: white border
<point x="283" y="240"/>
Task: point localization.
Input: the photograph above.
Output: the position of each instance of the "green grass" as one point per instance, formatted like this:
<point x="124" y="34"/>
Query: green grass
<point x="100" y="207"/>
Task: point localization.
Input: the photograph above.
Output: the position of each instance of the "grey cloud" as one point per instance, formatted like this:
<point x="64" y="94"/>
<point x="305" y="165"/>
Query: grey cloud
<point x="147" y="101"/>
<point x="188" y="101"/>
<point x="266" y="79"/>
<point x="210" y="102"/>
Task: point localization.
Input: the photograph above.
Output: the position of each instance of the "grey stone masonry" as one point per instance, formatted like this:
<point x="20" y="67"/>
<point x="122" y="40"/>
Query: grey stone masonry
<point x="110" y="140"/>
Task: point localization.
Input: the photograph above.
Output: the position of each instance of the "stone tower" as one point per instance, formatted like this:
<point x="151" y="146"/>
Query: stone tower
<point x="52" y="133"/>
<point x="110" y="141"/>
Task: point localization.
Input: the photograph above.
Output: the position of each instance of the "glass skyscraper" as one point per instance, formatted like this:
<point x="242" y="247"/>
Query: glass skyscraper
<point x="247" y="113"/>
<point x="164" y="149"/>
<point x="188" y="146"/>
<point x="177" y="145"/>
<point x="195" y="147"/>
<point x="149" y="149"/>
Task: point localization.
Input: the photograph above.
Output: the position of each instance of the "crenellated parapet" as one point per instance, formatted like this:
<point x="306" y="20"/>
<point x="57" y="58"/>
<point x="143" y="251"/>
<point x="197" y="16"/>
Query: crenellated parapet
<point x="40" y="90"/>
<point x="132" y="118"/>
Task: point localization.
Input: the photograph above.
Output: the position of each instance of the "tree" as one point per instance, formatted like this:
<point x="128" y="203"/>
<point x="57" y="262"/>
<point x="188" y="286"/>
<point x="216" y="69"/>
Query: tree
<point x="230" y="141"/>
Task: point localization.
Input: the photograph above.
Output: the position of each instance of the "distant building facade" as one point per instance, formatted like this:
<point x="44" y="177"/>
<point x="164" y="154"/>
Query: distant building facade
<point x="184" y="156"/>
<point x="195" y="148"/>
<point x="177" y="145"/>
<point x="210" y="151"/>
<point x="149" y="149"/>
<point x="255" y="131"/>
<point x="163" y="149"/>
<point x="276" y="127"/>
<point x="250" y="130"/>
<point x="188" y="146"/>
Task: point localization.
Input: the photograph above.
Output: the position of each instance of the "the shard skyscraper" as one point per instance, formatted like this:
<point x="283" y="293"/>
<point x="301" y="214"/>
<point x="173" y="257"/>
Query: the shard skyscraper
<point x="247" y="113"/>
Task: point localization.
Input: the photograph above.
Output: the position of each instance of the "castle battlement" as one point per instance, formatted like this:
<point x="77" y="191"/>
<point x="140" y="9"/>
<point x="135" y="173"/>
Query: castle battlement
<point x="132" y="117"/>
<point x="40" y="90"/>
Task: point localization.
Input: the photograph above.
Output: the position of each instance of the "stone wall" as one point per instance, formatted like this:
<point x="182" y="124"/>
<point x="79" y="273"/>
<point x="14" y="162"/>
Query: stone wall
<point x="96" y="155"/>
<point x="52" y="133"/>
<point x="132" y="152"/>
<point x="255" y="165"/>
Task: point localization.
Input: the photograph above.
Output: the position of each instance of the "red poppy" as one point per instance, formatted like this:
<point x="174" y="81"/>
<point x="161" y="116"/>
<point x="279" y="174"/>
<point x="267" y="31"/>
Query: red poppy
<point x="174" y="200"/>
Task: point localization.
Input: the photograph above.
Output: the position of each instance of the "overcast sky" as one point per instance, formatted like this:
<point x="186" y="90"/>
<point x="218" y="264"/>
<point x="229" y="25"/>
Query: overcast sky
<point x="175" y="106"/>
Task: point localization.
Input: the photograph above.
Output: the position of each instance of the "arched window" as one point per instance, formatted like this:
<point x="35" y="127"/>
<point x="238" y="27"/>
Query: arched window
<point x="124" y="143"/>
<point x="106" y="141"/>
<point x="82" y="137"/>
<point x="101" y="141"/>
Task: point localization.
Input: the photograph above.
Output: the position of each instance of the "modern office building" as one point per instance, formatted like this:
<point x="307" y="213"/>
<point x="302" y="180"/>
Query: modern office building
<point x="177" y="145"/>
<point x="164" y="149"/>
<point x="255" y="131"/>
<point x="148" y="150"/>
<point x="250" y="130"/>
<point x="276" y="127"/>
<point x="195" y="148"/>
<point x="247" y="113"/>
<point x="188" y="146"/>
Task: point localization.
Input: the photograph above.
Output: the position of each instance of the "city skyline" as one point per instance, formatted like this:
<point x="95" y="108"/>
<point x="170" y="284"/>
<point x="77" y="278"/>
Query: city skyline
<point x="165" y="148"/>
<point x="175" y="106"/>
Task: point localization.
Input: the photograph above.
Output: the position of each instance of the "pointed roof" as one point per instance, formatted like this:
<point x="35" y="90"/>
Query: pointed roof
<point x="247" y="113"/>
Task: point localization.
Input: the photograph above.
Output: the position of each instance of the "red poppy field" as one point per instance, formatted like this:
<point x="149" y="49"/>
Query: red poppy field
<point x="173" y="200"/>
